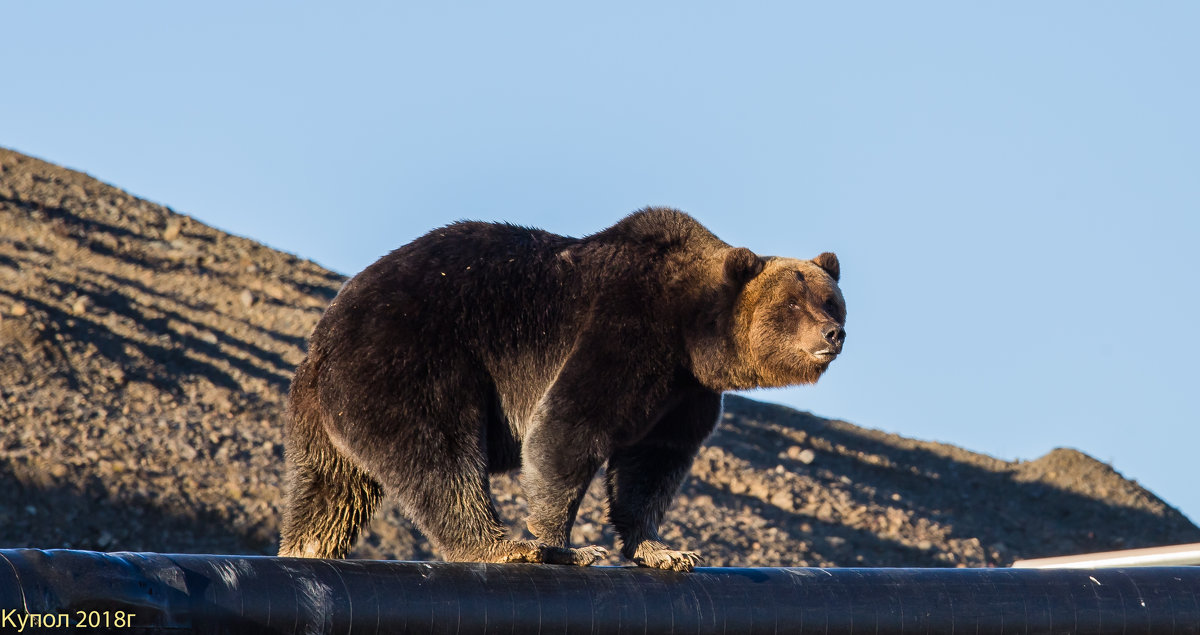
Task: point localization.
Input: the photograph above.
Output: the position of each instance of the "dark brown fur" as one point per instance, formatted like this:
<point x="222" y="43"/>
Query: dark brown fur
<point x="484" y="348"/>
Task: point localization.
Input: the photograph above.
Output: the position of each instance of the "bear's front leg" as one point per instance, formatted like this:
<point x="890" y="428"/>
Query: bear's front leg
<point x="643" y="478"/>
<point x="556" y="468"/>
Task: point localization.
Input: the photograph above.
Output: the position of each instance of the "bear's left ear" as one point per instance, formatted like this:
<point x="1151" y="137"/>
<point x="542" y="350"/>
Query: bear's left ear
<point x="741" y="265"/>
<point x="829" y="262"/>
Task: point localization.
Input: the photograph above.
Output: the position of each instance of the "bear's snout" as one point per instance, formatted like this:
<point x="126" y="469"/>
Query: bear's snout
<point x="835" y="336"/>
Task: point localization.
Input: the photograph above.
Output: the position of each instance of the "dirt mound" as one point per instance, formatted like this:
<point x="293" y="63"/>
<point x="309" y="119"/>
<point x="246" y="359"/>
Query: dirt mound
<point x="144" y="359"/>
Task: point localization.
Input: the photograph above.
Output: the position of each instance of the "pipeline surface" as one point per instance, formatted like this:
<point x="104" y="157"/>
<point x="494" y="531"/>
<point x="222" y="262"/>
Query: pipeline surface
<point x="178" y="593"/>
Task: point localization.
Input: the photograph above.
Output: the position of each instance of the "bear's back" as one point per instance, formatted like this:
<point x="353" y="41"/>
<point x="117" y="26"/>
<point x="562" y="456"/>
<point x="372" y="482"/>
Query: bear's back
<point x="489" y="287"/>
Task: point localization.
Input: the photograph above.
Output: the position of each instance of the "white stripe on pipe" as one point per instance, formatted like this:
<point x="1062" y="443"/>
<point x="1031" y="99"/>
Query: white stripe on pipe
<point x="1174" y="555"/>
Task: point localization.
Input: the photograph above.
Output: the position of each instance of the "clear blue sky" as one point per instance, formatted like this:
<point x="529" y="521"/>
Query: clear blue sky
<point x="1013" y="189"/>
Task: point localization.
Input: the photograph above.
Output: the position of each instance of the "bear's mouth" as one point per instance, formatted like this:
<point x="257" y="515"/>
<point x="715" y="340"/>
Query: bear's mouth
<point x="825" y="355"/>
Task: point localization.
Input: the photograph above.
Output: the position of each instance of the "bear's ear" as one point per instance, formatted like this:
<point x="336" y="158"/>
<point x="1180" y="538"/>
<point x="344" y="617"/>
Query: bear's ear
<point x="741" y="265"/>
<point x="829" y="262"/>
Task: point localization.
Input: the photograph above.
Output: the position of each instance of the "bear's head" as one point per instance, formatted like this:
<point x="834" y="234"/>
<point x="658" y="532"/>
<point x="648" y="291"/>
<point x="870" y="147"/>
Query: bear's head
<point x="788" y="320"/>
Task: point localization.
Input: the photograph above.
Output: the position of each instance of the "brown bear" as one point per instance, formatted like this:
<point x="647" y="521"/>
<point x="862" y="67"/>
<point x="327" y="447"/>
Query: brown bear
<point x="482" y="348"/>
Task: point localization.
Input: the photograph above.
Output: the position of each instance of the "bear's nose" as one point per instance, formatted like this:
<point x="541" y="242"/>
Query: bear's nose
<point x="835" y="335"/>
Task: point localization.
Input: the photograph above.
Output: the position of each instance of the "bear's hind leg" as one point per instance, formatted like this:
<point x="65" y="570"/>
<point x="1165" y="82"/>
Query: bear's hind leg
<point x="328" y="501"/>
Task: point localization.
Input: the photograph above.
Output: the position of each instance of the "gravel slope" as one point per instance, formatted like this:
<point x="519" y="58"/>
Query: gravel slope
<point x="144" y="359"/>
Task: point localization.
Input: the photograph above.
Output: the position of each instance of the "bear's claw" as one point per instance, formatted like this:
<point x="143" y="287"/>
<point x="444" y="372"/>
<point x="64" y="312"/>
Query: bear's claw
<point x="670" y="560"/>
<point x="581" y="557"/>
<point x="536" y="552"/>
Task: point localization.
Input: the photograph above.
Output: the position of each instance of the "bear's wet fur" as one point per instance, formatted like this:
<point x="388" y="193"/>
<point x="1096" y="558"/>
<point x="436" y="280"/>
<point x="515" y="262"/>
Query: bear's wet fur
<point x="482" y="348"/>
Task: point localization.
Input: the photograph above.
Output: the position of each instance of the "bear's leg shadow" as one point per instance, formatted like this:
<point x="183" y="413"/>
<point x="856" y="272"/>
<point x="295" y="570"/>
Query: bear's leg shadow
<point x="437" y="469"/>
<point x="643" y="478"/>
<point x="557" y="466"/>
<point x="452" y="506"/>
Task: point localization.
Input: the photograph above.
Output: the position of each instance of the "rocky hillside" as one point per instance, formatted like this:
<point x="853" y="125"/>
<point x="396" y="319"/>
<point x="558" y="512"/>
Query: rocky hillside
<point x="144" y="359"/>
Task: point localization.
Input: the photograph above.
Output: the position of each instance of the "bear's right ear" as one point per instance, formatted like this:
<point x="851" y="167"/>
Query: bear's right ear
<point x="741" y="265"/>
<point x="829" y="262"/>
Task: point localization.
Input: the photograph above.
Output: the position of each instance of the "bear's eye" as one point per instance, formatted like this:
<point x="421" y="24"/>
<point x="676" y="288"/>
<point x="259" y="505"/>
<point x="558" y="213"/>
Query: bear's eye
<point x="800" y="276"/>
<point x="793" y="305"/>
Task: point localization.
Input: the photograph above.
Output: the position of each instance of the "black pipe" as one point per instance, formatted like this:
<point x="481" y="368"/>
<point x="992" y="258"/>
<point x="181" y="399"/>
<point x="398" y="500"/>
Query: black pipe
<point x="149" y="592"/>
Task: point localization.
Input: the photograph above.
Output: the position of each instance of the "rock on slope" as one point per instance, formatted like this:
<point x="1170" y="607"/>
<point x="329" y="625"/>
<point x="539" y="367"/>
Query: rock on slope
<point x="144" y="359"/>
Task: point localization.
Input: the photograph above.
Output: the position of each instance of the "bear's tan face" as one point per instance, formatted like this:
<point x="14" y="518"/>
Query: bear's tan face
<point x="791" y="318"/>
